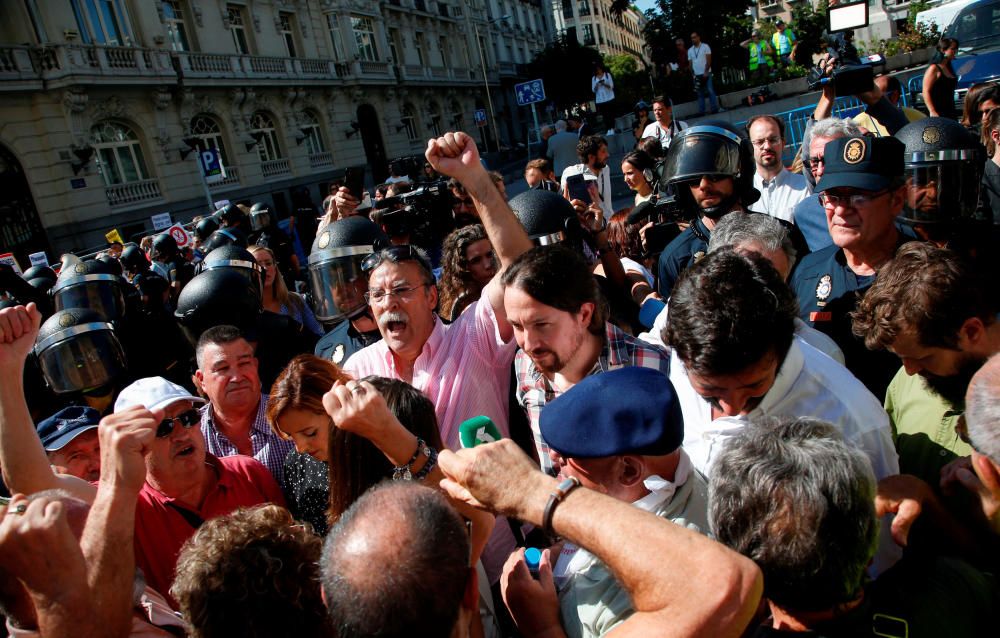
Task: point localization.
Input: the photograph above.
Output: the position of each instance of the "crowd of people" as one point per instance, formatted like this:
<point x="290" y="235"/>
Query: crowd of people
<point x="764" y="400"/>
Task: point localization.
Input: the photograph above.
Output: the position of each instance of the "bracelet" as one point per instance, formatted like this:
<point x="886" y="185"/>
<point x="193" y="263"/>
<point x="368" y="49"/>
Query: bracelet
<point x="432" y="460"/>
<point x="562" y="490"/>
<point x="402" y="472"/>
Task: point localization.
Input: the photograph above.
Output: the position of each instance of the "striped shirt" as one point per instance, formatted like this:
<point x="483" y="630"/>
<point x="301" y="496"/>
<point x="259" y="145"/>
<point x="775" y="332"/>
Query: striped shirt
<point x="534" y="390"/>
<point x="268" y="448"/>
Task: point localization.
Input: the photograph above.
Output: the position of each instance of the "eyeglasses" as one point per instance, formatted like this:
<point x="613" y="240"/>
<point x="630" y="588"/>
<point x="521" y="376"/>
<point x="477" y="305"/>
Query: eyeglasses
<point x="850" y="201"/>
<point x="395" y="254"/>
<point x="403" y="293"/>
<point x="816" y="162"/>
<point x="187" y="420"/>
<point x="767" y="141"/>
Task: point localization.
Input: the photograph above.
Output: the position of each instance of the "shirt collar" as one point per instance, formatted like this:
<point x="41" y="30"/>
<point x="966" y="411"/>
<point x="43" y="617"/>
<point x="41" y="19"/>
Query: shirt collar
<point x="783" y="382"/>
<point x="614" y="354"/>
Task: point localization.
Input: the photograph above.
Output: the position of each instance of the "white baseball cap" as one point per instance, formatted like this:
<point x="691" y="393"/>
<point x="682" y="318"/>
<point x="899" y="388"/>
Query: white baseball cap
<point x="153" y="393"/>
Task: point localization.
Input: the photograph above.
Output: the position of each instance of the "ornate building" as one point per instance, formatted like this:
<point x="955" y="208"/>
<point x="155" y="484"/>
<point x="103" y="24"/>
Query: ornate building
<point x="593" y="24"/>
<point x="106" y="103"/>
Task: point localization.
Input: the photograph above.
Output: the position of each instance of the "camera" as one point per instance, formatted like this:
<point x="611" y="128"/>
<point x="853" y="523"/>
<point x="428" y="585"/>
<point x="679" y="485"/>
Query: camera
<point x="846" y="80"/>
<point x="423" y="211"/>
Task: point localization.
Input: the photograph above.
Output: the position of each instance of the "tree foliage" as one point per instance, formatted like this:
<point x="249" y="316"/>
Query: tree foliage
<point x="566" y="67"/>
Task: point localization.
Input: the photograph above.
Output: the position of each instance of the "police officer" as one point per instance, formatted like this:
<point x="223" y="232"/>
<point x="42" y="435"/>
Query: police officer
<point x="170" y="264"/>
<point x="339" y="286"/>
<point x="265" y="232"/>
<point x="202" y="231"/>
<point x="230" y="219"/>
<point x="862" y="191"/>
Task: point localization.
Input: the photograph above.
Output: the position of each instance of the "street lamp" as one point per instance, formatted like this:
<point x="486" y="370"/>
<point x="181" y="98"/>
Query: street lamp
<point x="486" y="80"/>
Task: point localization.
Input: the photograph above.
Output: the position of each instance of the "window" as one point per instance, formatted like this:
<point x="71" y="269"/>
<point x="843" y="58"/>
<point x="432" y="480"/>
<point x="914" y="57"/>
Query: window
<point x="314" y="138"/>
<point x="418" y="44"/>
<point x="268" y="148"/>
<point x="394" y="46"/>
<point x="584" y="7"/>
<point x="443" y="50"/>
<point x="567" y="9"/>
<point x="364" y="37"/>
<point x="336" y="39"/>
<point x="102" y="22"/>
<point x="209" y="135"/>
<point x="409" y="121"/>
<point x="286" y="29"/>
<point x="588" y="34"/>
<point x="457" y="118"/>
<point x="435" y="113"/>
<point x="173" y="18"/>
<point x="119" y="153"/>
<point x="237" y="25"/>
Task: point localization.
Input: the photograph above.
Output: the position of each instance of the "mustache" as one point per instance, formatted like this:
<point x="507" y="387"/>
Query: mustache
<point x="393" y="316"/>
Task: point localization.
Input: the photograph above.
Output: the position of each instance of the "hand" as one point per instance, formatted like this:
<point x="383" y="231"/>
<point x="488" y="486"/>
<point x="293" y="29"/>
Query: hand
<point x="872" y="96"/>
<point x="39" y="547"/>
<point x="497" y="477"/>
<point x="592" y="218"/>
<point x="344" y="203"/>
<point x="904" y="496"/>
<point x="356" y="406"/>
<point x="454" y="155"/>
<point x="18" y="331"/>
<point x="126" y="438"/>
<point x="533" y="604"/>
<point x="981" y="477"/>
<point x="642" y="235"/>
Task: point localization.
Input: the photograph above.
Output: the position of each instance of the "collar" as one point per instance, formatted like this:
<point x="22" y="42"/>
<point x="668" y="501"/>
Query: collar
<point x="779" y="179"/>
<point x="788" y="373"/>
<point x="614" y="354"/>
<point x="660" y="489"/>
<point x="258" y="424"/>
<point x="428" y="350"/>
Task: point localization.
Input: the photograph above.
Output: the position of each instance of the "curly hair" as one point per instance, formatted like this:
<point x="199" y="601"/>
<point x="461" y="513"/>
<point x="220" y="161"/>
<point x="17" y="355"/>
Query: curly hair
<point x="457" y="285"/>
<point x="253" y="572"/>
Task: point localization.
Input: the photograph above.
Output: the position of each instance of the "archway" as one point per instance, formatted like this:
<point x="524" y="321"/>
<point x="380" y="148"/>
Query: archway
<point x="371" y="137"/>
<point x="21" y="229"/>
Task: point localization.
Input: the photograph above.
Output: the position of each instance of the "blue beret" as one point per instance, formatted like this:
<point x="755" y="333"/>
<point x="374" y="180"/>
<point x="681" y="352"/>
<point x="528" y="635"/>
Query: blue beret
<point x="65" y="425"/>
<point x="632" y="410"/>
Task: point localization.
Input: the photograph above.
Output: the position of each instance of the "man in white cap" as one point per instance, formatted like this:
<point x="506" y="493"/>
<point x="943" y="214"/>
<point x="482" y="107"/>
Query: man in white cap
<point x="184" y="484"/>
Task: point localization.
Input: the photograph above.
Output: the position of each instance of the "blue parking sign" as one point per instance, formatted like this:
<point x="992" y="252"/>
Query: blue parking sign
<point x="529" y="92"/>
<point x="211" y="165"/>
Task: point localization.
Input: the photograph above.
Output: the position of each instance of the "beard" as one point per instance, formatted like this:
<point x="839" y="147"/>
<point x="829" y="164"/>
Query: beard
<point x="725" y="205"/>
<point x="550" y="362"/>
<point x="952" y="388"/>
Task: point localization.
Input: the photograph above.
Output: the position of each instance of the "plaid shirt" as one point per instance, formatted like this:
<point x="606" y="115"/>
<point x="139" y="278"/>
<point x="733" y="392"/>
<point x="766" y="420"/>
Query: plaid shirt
<point x="268" y="448"/>
<point x="534" y="390"/>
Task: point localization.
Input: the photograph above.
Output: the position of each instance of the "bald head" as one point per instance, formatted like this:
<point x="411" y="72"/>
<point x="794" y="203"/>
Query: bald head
<point x="982" y="409"/>
<point x="397" y="559"/>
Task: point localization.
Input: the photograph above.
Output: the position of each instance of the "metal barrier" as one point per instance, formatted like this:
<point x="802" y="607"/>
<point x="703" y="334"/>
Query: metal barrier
<point x="796" y="120"/>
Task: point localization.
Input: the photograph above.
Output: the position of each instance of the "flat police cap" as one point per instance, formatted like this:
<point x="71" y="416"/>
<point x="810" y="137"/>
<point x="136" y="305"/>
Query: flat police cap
<point x="632" y="410"/>
<point x="868" y="163"/>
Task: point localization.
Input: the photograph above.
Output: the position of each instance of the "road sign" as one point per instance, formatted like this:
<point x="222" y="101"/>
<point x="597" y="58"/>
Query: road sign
<point x="180" y="235"/>
<point x="480" y="117"/>
<point x="38" y="259"/>
<point x="9" y="259"/>
<point x="161" y="221"/>
<point x="211" y="165"/>
<point x="529" y="92"/>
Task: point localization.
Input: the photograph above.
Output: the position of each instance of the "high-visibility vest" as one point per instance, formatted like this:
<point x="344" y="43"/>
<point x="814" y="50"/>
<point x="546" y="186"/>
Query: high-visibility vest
<point x="783" y="41"/>
<point x="758" y="54"/>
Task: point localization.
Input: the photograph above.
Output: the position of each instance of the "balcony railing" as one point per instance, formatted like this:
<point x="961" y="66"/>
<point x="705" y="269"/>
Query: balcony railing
<point x="507" y="68"/>
<point x="276" y="167"/>
<point x="215" y="66"/>
<point x="133" y="192"/>
<point x="320" y="160"/>
<point x="63" y="60"/>
<point x="232" y="179"/>
<point x="439" y="72"/>
<point x="370" y="67"/>
<point x="16" y="63"/>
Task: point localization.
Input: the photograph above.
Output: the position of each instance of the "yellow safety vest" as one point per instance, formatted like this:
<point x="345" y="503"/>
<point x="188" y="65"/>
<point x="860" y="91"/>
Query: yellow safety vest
<point x="758" y="54"/>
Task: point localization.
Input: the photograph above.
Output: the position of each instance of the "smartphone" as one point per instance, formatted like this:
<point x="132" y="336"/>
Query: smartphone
<point x="579" y="187"/>
<point x="354" y="180"/>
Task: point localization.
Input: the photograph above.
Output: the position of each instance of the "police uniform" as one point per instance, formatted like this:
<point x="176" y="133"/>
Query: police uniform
<point x="827" y="288"/>
<point x="344" y="340"/>
<point x="685" y="249"/>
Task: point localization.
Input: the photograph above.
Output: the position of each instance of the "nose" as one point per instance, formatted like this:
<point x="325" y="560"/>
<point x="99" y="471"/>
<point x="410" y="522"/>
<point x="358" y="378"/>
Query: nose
<point x="704" y="183"/>
<point x="528" y="340"/>
<point x="733" y="404"/>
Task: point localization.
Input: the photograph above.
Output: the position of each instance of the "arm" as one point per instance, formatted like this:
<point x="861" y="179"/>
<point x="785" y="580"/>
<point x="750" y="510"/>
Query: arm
<point x="708" y="64"/>
<point x="882" y="110"/>
<point x="455" y="155"/>
<point x="681" y="579"/>
<point x="361" y="409"/>
<point x="824" y="107"/>
<point x="25" y="466"/>
<point x="930" y="75"/>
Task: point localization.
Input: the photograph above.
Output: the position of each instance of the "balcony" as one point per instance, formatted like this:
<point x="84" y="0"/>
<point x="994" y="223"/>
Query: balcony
<point x="108" y="65"/>
<point x="133" y="192"/>
<point x="17" y="67"/>
<point x="231" y="180"/>
<point x="321" y="160"/>
<point x="439" y="73"/>
<point x="276" y="167"/>
<point x="212" y="66"/>
<point x="507" y="69"/>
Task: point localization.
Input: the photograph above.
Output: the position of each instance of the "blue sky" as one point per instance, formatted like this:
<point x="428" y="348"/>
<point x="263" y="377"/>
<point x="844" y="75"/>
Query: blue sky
<point x="645" y="4"/>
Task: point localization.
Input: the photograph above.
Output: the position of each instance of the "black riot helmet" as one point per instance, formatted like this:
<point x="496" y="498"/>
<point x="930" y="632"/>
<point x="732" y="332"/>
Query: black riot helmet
<point x="90" y="284"/>
<point x="713" y="149"/>
<point x="111" y="262"/>
<point x="230" y="216"/>
<point x="229" y="236"/>
<point x="133" y="259"/>
<point x="335" y="276"/>
<point x="78" y="351"/>
<point x="547" y="217"/>
<point x="222" y="296"/>
<point x="164" y="247"/>
<point x="42" y="284"/>
<point x="943" y="169"/>
<point x="237" y="259"/>
<point x="260" y="216"/>
<point x="39" y="271"/>
<point x="205" y="227"/>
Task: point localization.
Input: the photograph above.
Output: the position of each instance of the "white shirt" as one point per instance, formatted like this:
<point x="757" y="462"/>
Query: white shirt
<point x="664" y="135"/>
<point x="603" y="185"/>
<point x="699" y="58"/>
<point x="780" y="195"/>
<point x="603" y="92"/>
<point x="809" y="383"/>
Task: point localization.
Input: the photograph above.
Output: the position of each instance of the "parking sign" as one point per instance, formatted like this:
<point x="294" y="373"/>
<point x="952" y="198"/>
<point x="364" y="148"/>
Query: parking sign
<point x="529" y="92"/>
<point x="211" y="165"/>
<point x="480" y="117"/>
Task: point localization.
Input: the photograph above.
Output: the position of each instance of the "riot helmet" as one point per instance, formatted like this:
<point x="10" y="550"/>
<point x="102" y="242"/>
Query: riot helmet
<point x="90" y="284"/>
<point x="260" y="217"/>
<point x="205" y="227"/>
<point x="335" y="276"/>
<point x="221" y="296"/>
<point x="237" y="259"/>
<point x="42" y="284"/>
<point x="39" y="271"/>
<point x="228" y="236"/>
<point x="164" y="247"/>
<point x="78" y="351"/>
<point x="547" y="217"/>
<point x="133" y="259"/>
<point x="712" y="149"/>
<point x="943" y="170"/>
<point x="111" y="262"/>
<point x="230" y="216"/>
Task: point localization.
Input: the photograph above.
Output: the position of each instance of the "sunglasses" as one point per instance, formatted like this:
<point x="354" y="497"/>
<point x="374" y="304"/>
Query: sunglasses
<point x="187" y="420"/>
<point x="395" y="254"/>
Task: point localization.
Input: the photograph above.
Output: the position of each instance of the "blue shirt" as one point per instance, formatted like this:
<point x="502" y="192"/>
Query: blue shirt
<point x="810" y="217"/>
<point x="684" y="250"/>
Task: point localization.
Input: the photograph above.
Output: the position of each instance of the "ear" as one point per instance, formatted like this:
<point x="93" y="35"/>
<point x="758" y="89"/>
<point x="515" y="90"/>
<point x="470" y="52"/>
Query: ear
<point x="971" y="334"/>
<point x="432" y="290"/>
<point x="198" y="378"/>
<point x="630" y="470"/>
<point x="586" y="312"/>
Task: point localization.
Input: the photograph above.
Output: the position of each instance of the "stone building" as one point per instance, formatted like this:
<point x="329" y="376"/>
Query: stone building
<point x="593" y="24"/>
<point x="106" y="104"/>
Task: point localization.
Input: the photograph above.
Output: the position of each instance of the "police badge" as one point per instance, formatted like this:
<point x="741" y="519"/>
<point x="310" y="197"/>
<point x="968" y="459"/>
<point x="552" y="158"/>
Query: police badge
<point x="823" y="290"/>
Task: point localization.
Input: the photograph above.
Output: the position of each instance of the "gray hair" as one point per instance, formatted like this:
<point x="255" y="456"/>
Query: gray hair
<point x="832" y="127"/>
<point x="560" y="126"/>
<point x="794" y="497"/>
<point x="741" y="231"/>
<point x="982" y="409"/>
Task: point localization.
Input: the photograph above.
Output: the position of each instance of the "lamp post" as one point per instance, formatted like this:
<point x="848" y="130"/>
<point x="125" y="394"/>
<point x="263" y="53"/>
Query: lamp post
<point x="486" y="80"/>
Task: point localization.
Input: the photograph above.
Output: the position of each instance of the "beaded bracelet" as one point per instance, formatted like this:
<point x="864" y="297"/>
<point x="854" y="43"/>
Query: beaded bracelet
<point x="402" y="472"/>
<point x="428" y="467"/>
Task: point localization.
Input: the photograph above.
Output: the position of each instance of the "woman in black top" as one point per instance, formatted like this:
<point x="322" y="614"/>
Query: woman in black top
<point x="940" y="80"/>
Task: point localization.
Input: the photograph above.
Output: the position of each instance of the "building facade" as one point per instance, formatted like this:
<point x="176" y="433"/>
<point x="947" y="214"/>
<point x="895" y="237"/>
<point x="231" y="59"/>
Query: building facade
<point x="107" y="104"/>
<point x="594" y="25"/>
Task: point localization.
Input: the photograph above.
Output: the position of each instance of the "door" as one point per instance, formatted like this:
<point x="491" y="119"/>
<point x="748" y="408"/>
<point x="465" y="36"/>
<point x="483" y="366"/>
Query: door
<point x="21" y="229"/>
<point x="371" y="137"/>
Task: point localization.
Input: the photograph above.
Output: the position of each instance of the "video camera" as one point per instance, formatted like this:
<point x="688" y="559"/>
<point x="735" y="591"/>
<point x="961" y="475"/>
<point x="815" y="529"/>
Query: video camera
<point x="420" y="211"/>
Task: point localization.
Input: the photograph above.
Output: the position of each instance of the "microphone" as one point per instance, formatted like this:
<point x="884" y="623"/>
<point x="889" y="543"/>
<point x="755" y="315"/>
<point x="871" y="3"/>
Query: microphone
<point x="478" y="430"/>
<point x="640" y="211"/>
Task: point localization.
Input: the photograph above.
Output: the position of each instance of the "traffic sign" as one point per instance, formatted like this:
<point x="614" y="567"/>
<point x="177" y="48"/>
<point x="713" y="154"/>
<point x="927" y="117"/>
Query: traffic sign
<point x="211" y="165"/>
<point x="480" y="117"/>
<point x="181" y="236"/>
<point x="161" y="221"/>
<point x="529" y="92"/>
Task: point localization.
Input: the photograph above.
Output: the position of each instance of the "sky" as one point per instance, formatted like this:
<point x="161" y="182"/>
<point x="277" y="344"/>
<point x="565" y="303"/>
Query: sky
<point x="645" y="4"/>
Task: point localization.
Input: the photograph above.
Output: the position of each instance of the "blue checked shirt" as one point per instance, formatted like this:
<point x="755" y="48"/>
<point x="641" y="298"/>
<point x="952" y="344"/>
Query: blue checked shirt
<point x="534" y="390"/>
<point x="268" y="448"/>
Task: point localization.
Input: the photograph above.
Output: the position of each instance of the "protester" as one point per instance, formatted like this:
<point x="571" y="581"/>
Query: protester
<point x="467" y="266"/>
<point x="642" y="120"/>
<point x="603" y="87"/>
<point x="940" y="80"/>
<point x="893" y="91"/>
<point x="982" y="402"/>
<point x="990" y="197"/>
<point x="593" y="154"/>
<point x="538" y="173"/>
<point x="277" y="298"/>
<point x="980" y="99"/>
<point x="70" y="440"/>
<point x="637" y="170"/>
<point x="700" y="55"/>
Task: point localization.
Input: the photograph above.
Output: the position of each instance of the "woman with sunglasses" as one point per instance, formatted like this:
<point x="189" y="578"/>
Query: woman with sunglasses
<point x="467" y="265"/>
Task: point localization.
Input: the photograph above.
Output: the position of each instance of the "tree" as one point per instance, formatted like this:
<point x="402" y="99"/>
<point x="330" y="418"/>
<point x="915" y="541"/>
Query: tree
<point x="566" y="68"/>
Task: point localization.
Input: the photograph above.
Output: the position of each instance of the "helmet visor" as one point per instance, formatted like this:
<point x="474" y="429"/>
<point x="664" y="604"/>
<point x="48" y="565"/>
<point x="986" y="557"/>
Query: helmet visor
<point x="941" y="192"/>
<point x="82" y="361"/>
<point x="702" y="153"/>
<point x="338" y="287"/>
<point x="103" y="296"/>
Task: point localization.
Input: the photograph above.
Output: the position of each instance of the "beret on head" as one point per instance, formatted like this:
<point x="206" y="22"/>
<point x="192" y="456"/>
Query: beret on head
<point x="632" y="410"/>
